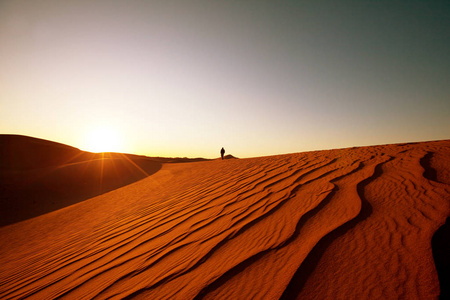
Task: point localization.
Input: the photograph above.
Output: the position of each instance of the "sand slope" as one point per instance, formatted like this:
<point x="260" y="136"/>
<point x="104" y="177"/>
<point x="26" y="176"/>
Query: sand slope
<point x="338" y="224"/>
<point x="39" y="176"/>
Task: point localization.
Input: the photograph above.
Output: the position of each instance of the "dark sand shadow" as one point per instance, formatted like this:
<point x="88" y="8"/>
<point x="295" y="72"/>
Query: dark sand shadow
<point x="309" y="264"/>
<point x="440" y="244"/>
<point x="38" y="176"/>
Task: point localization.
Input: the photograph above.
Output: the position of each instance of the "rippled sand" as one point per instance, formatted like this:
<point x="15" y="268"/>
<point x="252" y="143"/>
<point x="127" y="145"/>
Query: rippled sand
<point x="337" y="224"/>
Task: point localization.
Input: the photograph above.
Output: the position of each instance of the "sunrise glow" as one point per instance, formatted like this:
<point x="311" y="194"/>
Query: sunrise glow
<point x="103" y="139"/>
<point x="182" y="79"/>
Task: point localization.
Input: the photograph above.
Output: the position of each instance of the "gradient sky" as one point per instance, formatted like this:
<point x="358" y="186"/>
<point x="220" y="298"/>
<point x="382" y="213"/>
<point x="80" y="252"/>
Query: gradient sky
<point x="184" y="78"/>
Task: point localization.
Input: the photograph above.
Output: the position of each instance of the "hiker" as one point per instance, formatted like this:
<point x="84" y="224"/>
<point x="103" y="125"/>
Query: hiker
<point x="222" y="152"/>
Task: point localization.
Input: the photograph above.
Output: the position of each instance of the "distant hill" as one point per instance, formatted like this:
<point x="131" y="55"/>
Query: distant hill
<point x="38" y="176"/>
<point x="229" y="156"/>
<point x="19" y="152"/>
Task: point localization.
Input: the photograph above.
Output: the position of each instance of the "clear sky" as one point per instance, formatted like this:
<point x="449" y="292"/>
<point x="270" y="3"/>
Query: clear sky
<point x="184" y="78"/>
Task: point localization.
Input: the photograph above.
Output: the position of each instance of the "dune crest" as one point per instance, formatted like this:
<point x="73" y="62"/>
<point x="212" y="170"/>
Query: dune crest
<point x="345" y="223"/>
<point x="39" y="176"/>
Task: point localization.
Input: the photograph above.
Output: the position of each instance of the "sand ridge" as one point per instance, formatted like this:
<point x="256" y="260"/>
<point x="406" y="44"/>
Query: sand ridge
<point x="344" y="223"/>
<point x="44" y="176"/>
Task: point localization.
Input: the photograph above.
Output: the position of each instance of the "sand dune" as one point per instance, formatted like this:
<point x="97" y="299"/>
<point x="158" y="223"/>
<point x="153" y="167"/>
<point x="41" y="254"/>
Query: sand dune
<point x="39" y="176"/>
<point x="351" y="223"/>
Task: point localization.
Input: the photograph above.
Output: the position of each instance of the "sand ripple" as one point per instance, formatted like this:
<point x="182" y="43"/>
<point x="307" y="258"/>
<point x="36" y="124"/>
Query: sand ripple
<point x="346" y="224"/>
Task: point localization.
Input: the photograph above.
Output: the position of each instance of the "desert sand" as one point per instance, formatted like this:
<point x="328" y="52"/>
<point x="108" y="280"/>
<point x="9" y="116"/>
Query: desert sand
<point x="42" y="176"/>
<point x="353" y="223"/>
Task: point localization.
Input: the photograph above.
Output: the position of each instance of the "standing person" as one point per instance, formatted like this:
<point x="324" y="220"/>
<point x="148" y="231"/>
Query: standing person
<point x="222" y="152"/>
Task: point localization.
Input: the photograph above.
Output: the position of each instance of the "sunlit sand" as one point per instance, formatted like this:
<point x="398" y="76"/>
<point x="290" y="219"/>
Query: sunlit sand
<point x="352" y="223"/>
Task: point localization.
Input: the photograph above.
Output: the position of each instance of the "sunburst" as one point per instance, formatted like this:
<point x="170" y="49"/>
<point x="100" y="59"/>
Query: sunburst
<point x="103" y="139"/>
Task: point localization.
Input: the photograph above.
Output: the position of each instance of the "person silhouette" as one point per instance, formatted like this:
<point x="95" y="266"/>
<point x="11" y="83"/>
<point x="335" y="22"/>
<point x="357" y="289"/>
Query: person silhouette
<point x="222" y="152"/>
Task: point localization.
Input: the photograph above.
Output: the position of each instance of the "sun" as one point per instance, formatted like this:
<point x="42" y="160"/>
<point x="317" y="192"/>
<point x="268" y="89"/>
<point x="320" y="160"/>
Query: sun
<point x="103" y="139"/>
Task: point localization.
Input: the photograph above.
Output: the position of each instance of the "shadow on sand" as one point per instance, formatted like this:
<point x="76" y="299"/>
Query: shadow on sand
<point x="38" y="176"/>
<point x="309" y="264"/>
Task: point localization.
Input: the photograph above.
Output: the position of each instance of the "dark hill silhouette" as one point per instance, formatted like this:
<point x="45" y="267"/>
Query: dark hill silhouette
<point x="229" y="156"/>
<point x="19" y="152"/>
<point x="39" y="176"/>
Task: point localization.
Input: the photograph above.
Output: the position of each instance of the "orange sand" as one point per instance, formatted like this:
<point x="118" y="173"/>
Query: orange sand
<point x="39" y="176"/>
<point x="351" y="223"/>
